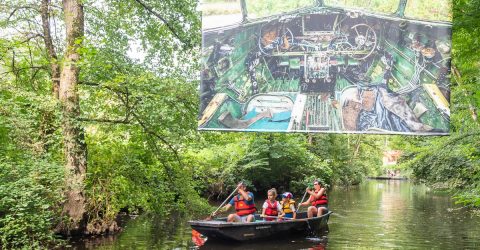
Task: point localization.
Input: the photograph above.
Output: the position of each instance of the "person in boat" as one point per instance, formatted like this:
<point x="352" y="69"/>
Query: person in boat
<point x="288" y="206"/>
<point x="318" y="200"/>
<point x="244" y="205"/>
<point x="271" y="207"/>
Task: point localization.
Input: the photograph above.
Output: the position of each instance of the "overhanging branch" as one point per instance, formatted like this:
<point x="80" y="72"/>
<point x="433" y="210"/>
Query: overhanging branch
<point x="123" y="121"/>
<point x="169" y="26"/>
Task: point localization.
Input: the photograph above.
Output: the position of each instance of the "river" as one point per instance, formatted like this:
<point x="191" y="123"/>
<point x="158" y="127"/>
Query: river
<point x="375" y="214"/>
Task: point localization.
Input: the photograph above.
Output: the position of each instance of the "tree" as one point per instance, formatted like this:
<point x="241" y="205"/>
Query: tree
<point x="73" y="135"/>
<point x="46" y="93"/>
<point x="452" y="163"/>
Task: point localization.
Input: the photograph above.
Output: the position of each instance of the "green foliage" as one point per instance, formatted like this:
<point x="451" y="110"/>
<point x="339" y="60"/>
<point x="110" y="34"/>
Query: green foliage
<point x="264" y="8"/>
<point x="265" y="161"/>
<point x="351" y="158"/>
<point x="138" y="111"/>
<point x="448" y="163"/>
<point x="373" y="5"/>
<point x="136" y="147"/>
<point x="125" y="174"/>
<point x="31" y="176"/>
<point x="466" y="58"/>
<point x="429" y="10"/>
<point x="30" y="194"/>
<point x="221" y="7"/>
<point x="469" y="197"/>
<point x="286" y="162"/>
<point x="453" y="163"/>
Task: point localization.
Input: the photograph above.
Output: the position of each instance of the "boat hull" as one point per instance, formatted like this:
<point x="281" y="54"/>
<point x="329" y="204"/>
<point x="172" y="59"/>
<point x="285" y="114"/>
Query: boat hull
<point x="233" y="231"/>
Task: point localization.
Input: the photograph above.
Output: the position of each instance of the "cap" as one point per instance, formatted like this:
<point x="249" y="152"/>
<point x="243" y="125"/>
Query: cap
<point x="287" y="195"/>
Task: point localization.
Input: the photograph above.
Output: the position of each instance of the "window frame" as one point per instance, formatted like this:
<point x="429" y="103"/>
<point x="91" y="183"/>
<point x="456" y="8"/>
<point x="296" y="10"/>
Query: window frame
<point x="399" y="12"/>
<point x="244" y="6"/>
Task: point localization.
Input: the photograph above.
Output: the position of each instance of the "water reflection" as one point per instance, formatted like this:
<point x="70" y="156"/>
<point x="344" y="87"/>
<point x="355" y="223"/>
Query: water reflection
<point x="398" y="214"/>
<point x="280" y="244"/>
<point x="377" y="214"/>
<point x="144" y="232"/>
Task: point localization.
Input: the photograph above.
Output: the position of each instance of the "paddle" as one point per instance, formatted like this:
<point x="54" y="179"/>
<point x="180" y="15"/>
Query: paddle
<point x="300" y="204"/>
<point x="276" y="217"/>
<point x="223" y="203"/>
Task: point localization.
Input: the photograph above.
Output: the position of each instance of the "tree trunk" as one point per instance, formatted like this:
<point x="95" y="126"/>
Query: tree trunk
<point x="73" y="136"/>
<point x="51" y="54"/>
<point x="46" y="125"/>
<point x="357" y="146"/>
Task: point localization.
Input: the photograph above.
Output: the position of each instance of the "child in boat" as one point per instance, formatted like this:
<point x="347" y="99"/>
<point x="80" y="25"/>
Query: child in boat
<point x="288" y="206"/>
<point x="271" y="207"/>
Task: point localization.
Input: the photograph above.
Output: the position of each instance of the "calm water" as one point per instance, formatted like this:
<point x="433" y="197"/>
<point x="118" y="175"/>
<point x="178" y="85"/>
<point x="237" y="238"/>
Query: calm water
<point x="377" y="214"/>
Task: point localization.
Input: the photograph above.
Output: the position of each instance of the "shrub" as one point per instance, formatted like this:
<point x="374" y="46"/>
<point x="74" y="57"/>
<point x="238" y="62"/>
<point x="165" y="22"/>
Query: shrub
<point x="29" y="199"/>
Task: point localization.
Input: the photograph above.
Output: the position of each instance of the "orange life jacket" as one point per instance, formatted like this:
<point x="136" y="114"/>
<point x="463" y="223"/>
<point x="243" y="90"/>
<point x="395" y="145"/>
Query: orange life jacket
<point x="323" y="200"/>
<point x="271" y="209"/>
<point x="242" y="207"/>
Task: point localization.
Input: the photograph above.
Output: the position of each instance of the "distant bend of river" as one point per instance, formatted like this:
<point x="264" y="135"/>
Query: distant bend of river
<point x="374" y="215"/>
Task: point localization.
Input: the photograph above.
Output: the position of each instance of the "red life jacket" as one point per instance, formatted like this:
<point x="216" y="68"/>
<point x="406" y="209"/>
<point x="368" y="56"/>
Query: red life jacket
<point x="271" y="209"/>
<point x="242" y="207"/>
<point x="323" y="200"/>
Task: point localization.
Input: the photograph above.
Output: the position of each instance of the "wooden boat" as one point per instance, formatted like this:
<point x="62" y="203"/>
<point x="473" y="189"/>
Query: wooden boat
<point x="220" y="229"/>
